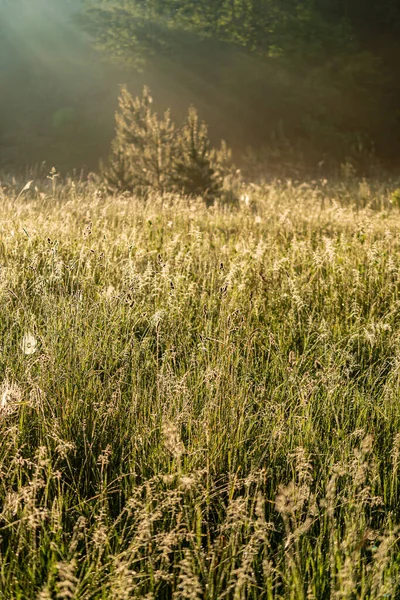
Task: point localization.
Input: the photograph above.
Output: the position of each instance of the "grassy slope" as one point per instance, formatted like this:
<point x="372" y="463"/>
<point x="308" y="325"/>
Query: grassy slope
<point x="212" y="410"/>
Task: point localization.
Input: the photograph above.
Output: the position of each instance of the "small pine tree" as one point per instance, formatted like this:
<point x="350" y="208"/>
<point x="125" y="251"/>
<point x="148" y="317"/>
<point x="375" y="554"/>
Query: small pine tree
<point x="141" y="151"/>
<point x="226" y="172"/>
<point x="193" y="172"/>
<point x="149" y="153"/>
<point x="117" y="174"/>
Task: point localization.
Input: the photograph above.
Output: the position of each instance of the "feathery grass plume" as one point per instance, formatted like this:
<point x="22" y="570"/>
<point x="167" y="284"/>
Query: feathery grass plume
<point x="188" y="587"/>
<point x="172" y="439"/>
<point x="122" y="581"/>
<point x="10" y="398"/>
<point x="45" y="593"/>
<point x="26" y="187"/>
<point x="67" y="582"/>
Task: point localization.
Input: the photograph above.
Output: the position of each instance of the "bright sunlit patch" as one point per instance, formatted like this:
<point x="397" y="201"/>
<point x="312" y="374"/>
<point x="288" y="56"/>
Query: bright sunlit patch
<point x="28" y="344"/>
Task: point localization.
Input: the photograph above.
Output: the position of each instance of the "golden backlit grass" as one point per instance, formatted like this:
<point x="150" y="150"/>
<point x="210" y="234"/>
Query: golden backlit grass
<point x="200" y="403"/>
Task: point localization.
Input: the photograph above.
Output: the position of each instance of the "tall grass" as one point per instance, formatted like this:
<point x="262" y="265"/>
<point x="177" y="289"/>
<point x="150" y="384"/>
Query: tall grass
<point x="200" y="403"/>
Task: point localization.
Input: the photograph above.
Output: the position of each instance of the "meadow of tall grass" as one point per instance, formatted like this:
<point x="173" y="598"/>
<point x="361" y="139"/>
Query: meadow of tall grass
<point x="200" y="403"/>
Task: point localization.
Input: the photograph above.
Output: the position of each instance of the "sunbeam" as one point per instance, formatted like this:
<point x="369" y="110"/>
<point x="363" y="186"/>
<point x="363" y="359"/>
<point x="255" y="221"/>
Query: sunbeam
<point x="43" y="34"/>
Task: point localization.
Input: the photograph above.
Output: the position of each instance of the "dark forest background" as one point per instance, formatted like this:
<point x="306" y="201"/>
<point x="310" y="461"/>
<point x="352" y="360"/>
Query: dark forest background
<point x="295" y="86"/>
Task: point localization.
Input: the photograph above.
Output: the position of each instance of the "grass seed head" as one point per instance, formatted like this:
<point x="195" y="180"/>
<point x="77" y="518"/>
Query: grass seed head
<point x="172" y="440"/>
<point x="10" y="398"/>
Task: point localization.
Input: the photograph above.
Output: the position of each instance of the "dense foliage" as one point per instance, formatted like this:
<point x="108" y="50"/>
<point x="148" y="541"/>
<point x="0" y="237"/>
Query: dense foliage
<point x="325" y="76"/>
<point x="308" y="85"/>
<point x="199" y="403"/>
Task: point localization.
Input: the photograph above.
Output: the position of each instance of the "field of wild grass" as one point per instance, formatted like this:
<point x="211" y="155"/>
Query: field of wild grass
<point x="200" y="403"/>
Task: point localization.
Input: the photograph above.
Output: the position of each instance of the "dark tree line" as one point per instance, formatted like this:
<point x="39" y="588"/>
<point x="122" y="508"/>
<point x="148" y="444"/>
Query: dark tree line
<point x="303" y="82"/>
<point x="326" y="78"/>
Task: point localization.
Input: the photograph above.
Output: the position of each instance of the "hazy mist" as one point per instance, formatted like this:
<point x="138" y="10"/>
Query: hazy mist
<point x="58" y="94"/>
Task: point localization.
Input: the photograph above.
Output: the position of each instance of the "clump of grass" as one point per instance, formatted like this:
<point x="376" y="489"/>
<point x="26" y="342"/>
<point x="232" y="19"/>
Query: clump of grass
<point x="199" y="403"/>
